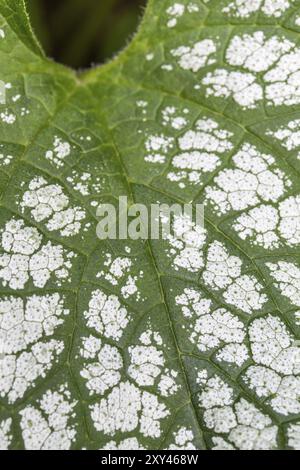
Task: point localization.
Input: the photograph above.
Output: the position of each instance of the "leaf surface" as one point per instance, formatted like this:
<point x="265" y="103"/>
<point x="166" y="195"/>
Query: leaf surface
<point x="157" y="344"/>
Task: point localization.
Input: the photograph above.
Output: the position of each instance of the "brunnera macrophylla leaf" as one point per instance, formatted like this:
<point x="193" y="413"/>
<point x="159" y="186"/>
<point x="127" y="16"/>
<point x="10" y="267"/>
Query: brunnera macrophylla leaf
<point x="152" y="344"/>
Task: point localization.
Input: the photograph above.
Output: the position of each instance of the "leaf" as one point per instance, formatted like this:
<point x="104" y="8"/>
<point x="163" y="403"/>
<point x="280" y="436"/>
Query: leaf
<point x="157" y="344"/>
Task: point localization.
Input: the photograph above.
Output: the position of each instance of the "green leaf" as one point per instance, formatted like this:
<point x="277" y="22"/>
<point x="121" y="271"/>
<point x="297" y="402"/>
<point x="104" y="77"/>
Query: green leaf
<point x="153" y="344"/>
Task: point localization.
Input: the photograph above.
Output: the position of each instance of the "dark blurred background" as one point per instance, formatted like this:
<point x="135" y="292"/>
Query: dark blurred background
<point x="80" y="33"/>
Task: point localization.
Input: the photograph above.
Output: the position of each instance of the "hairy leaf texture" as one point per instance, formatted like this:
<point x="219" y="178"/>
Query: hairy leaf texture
<point x="152" y="344"/>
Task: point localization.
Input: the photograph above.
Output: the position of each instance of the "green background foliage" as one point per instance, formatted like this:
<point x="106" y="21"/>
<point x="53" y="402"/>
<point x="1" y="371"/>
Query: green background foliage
<point x="81" y="32"/>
